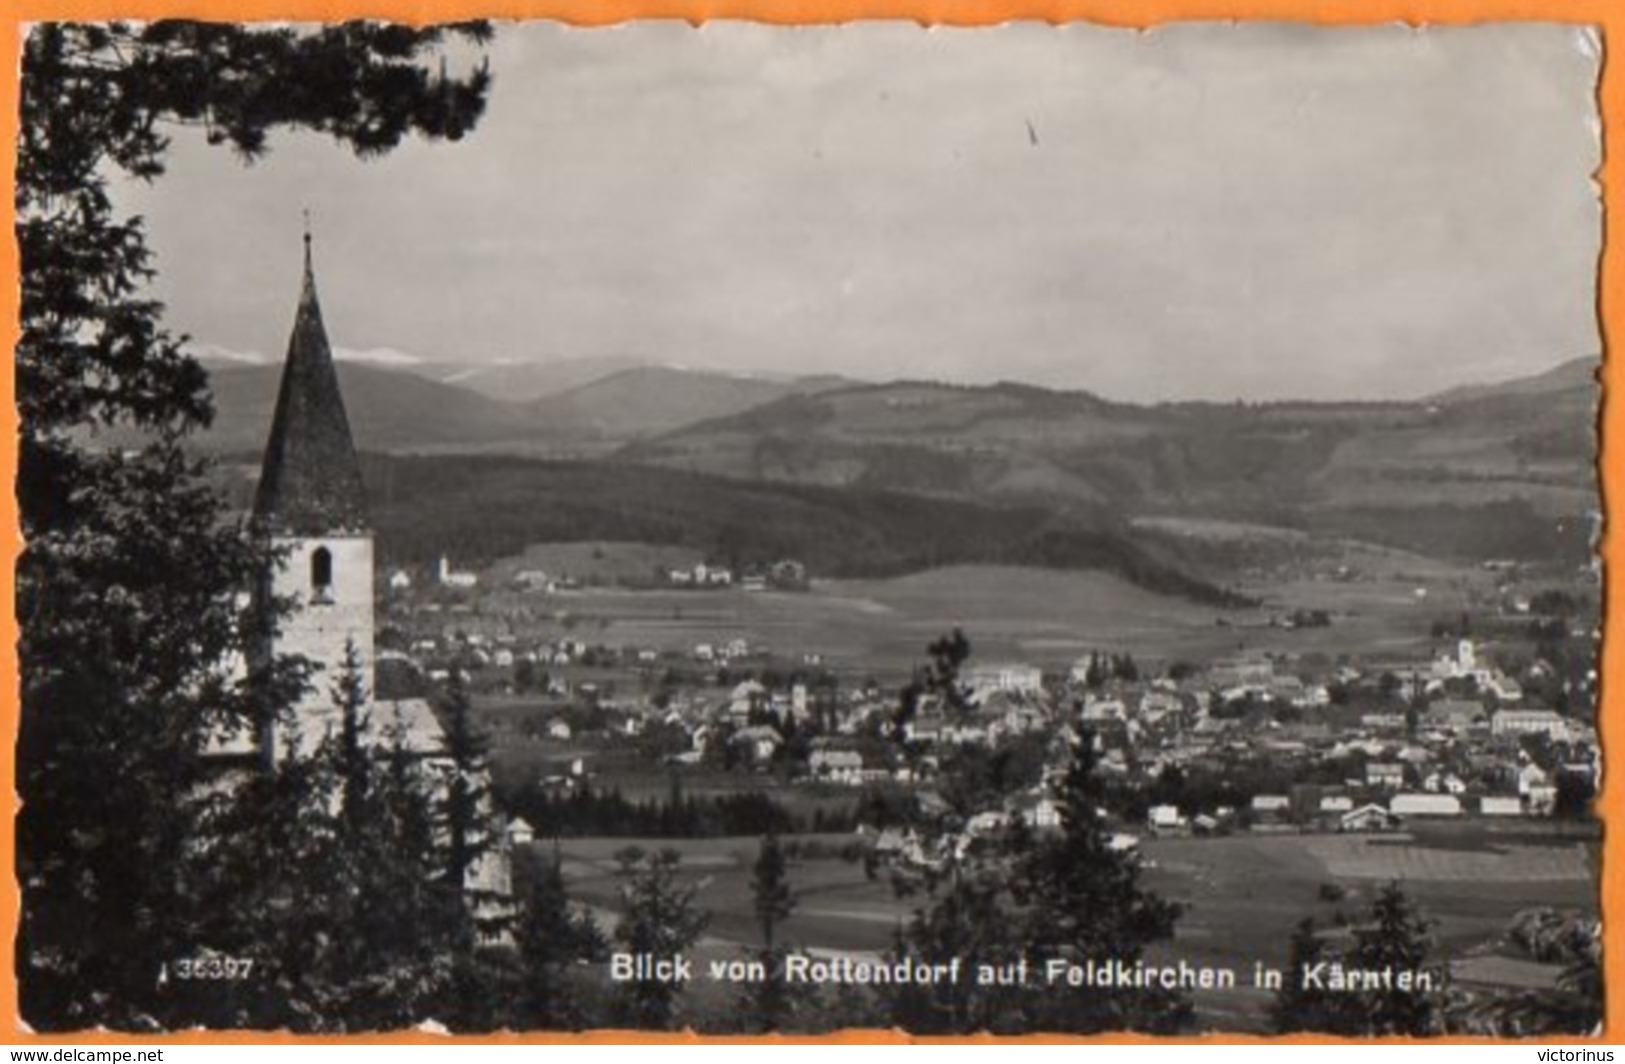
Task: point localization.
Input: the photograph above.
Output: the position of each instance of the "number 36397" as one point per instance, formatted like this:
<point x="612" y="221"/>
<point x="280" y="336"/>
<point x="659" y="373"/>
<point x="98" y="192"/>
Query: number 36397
<point x="210" y="967"/>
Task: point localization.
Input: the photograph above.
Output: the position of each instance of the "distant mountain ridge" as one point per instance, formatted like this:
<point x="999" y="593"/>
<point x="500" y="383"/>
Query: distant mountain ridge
<point x="1427" y="475"/>
<point x="507" y="380"/>
<point x="1569" y="375"/>
<point x="406" y="409"/>
<point x="1507" y="469"/>
<point x="649" y="400"/>
<point x="389" y="410"/>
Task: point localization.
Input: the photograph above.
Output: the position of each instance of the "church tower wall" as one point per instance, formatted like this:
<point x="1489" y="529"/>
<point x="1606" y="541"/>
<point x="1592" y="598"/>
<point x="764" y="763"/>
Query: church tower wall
<point x="332" y="609"/>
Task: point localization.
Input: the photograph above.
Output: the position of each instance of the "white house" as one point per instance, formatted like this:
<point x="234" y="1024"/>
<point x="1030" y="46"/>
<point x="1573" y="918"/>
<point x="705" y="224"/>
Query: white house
<point x="450" y="577"/>
<point x="1425" y="805"/>
<point x="1390" y="774"/>
<point x="1530" y="722"/>
<point x="1097" y="710"/>
<point x="1500" y="805"/>
<point x="746" y="696"/>
<point x="1009" y="678"/>
<point x="1164" y="818"/>
<point x="533" y="580"/>
<point x="836" y="766"/>
<point x="1370" y="817"/>
<point x="760" y="741"/>
<point x="1531" y="776"/>
<point x="1043" y="813"/>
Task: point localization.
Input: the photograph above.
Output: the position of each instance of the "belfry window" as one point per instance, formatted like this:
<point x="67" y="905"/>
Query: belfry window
<point x="321" y="575"/>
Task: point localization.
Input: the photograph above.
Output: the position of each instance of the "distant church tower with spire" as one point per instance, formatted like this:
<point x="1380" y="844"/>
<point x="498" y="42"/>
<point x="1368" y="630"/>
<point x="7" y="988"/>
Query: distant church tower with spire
<point x="311" y="505"/>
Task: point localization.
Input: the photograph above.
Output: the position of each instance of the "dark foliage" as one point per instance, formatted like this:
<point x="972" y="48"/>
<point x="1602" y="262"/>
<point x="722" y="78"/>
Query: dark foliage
<point x="766" y="1004"/>
<point x="126" y="591"/>
<point x="1069" y="896"/>
<point x="1395" y="939"/>
<point x="1509" y="528"/>
<point x="1300" y="1005"/>
<point x="937" y="681"/>
<point x="324" y="871"/>
<point x="494" y="507"/>
<point x="659" y="920"/>
<point x="588" y="812"/>
<point x="1082" y="901"/>
<point x="556" y="944"/>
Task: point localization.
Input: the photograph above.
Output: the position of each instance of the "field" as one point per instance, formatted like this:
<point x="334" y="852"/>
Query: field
<point x="839" y="908"/>
<point x="594" y="562"/>
<point x="881" y="626"/>
<point x="1046" y="617"/>
<point x="1242" y="894"/>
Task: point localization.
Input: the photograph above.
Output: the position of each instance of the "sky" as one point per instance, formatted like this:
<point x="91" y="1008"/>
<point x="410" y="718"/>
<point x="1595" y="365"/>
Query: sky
<point x="1260" y="211"/>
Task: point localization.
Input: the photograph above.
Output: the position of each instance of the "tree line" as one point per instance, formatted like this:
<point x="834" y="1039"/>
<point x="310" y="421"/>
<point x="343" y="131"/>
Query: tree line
<point x="586" y="811"/>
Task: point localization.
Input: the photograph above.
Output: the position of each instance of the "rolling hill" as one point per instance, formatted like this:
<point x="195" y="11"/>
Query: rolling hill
<point x="522" y="381"/>
<point x="390" y="410"/>
<point x="1493" y="472"/>
<point x="1027" y="445"/>
<point x="1505" y="470"/>
<point x="648" y="400"/>
<point x="514" y="380"/>
<point x="437" y="407"/>
<point x="494" y="507"/>
<point x="1564" y="378"/>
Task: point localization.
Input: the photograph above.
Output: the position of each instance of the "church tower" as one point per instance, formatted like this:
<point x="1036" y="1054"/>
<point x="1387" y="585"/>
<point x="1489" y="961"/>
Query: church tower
<point x="312" y="506"/>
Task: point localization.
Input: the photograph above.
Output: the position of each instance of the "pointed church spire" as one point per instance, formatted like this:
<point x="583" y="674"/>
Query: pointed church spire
<point x="310" y="483"/>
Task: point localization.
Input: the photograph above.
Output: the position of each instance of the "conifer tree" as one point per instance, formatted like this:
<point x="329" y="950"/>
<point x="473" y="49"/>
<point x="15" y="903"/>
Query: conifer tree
<point x="552" y="941"/>
<point x="772" y="900"/>
<point x="372" y="894"/>
<point x="264" y="897"/>
<point x="1396" y="939"/>
<point x="403" y="921"/>
<point x="350" y="696"/>
<point x="467" y="830"/>
<point x="325" y="873"/>
<point x="967" y="919"/>
<point x="1082" y="901"/>
<point x="481" y="912"/>
<point x="1069" y="896"/>
<point x="771" y="897"/>
<point x="1299" y="1004"/>
<point x="1094" y="676"/>
<point x="658" y="919"/>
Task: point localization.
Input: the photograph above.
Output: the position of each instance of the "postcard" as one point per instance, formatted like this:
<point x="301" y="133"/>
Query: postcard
<point x="1070" y="529"/>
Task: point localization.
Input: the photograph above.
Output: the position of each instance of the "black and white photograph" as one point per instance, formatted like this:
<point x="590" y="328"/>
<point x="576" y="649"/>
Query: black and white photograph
<point x="745" y="528"/>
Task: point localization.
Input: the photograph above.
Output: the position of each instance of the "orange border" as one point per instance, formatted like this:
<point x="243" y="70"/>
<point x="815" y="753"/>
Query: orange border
<point x="1608" y="15"/>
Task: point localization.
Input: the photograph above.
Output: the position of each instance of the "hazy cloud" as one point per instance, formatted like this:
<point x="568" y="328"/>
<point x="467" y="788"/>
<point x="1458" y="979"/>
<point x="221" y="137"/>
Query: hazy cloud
<point x="1201" y="210"/>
